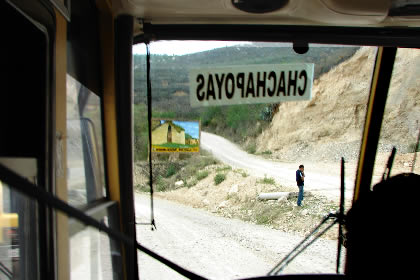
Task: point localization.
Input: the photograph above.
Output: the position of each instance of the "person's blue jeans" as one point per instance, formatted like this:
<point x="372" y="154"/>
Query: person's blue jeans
<point x="300" y="195"/>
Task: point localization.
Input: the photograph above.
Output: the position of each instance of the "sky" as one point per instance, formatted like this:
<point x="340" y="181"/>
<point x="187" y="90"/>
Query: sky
<point x="192" y="128"/>
<point x="186" y="47"/>
<point x="182" y="47"/>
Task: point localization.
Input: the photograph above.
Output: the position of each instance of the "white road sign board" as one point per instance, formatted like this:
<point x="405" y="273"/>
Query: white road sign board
<point x="250" y="84"/>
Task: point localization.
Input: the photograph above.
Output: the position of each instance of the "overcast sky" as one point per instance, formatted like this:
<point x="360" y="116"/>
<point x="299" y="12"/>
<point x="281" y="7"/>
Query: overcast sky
<point x="186" y="47"/>
<point x="182" y="47"/>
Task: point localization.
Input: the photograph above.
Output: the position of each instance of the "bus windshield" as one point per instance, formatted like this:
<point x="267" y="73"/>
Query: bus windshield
<point x="247" y="139"/>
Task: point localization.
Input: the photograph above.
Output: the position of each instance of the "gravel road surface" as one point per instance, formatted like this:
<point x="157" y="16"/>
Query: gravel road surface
<point x="220" y="248"/>
<point x="317" y="180"/>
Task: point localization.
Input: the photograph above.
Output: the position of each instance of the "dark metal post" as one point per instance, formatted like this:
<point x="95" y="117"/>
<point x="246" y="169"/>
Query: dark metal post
<point x="124" y="93"/>
<point x="415" y="152"/>
<point x="378" y="94"/>
<point x="341" y="216"/>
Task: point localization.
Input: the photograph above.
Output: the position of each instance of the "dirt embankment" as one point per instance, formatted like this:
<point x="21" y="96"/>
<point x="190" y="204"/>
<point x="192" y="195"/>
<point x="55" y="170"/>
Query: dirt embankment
<point x="233" y="193"/>
<point x="330" y="125"/>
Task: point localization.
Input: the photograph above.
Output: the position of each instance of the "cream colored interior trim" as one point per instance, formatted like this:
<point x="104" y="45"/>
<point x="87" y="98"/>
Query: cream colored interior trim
<point x="62" y="233"/>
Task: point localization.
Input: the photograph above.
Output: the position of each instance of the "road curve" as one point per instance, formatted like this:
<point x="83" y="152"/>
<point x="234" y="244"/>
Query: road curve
<point x="284" y="173"/>
<point x="220" y="248"/>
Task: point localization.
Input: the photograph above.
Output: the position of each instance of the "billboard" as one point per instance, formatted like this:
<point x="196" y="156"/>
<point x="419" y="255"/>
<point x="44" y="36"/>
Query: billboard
<point x="175" y="136"/>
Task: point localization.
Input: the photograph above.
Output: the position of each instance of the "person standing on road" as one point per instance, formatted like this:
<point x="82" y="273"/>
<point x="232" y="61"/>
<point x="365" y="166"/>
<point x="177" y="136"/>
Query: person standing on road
<point x="300" y="178"/>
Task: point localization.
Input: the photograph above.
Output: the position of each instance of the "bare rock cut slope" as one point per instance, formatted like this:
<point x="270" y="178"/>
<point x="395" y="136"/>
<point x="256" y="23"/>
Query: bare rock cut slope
<point x="330" y="125"/>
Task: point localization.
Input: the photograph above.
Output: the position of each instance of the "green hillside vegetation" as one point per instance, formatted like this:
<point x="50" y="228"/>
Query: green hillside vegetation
<point x="170" y="88"/>
<point x="175" y="145"/>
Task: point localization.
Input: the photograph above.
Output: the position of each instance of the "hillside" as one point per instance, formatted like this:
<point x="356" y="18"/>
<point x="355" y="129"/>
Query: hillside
<point x="330" y="125"/>
<point x="169" y="74"/>
<point x="316" y="133"/>
<point x="239" y="123"/>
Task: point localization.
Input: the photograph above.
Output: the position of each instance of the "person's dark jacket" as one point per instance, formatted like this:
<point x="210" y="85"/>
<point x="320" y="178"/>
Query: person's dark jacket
<point x="299" y="180"/>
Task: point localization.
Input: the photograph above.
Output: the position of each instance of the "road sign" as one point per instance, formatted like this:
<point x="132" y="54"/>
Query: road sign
<point x="250" y="84"/>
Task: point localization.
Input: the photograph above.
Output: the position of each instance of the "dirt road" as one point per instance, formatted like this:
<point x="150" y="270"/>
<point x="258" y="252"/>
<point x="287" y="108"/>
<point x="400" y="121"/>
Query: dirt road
<point x="319" y="177"/>
<point x="220" y="248"/>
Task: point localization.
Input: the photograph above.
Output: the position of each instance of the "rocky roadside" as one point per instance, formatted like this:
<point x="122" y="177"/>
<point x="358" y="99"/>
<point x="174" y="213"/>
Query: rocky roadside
<point x="236" y="196"/>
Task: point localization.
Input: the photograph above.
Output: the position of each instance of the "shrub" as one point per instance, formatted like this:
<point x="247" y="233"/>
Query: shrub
<point x="161" y="185"/>
<point x="143" y="188"/>
<point x="205" y="161"/>
<point x="184" y="156"/>
<point x="191" y="183"/>
<point x="201" y="175"/>
<point x="220" y="177"/>
<point x="413" y="148"/>
<point x="269" y="181"/>
<point x="237" y="115"/>
<point x="262" y="219"/>
<point x="251" y="148"/>
<point x="209" y="114"/>
<point x="172" y="169"/>
<point x="242" y="172"/>
<point x="224" y="168"/>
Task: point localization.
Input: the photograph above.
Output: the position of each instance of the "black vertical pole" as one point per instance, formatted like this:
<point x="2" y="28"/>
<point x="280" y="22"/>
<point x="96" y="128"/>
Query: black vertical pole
<point x="378" y="94"/>
<point x="416" y="148"/>
<point x="149" y="119"/>
<point x="124" y="99"/>
<point x="376" y="106"/>
<point x="340" y="216"/>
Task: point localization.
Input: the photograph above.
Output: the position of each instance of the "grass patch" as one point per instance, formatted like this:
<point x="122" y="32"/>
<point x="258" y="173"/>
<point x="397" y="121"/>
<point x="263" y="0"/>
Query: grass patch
<point x="142" y="188"/>
<point x="242" y="172"/>
<point x="412" y="148"/>
<point x="220" y="177"/>
<point x="224" y="168"/>
<point x="195" y="166"/>
<point x="264" y="218"/>
<point x="175" y="145"/>
<point x="160" y="184"/>
<point x="251" y="148"/>
<point x="191" y="182"/>
<point x="185" y="156"/>
<point x="201" y="175"/>
<point x="324" y="133"/>
<point x="267" y="180"/>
